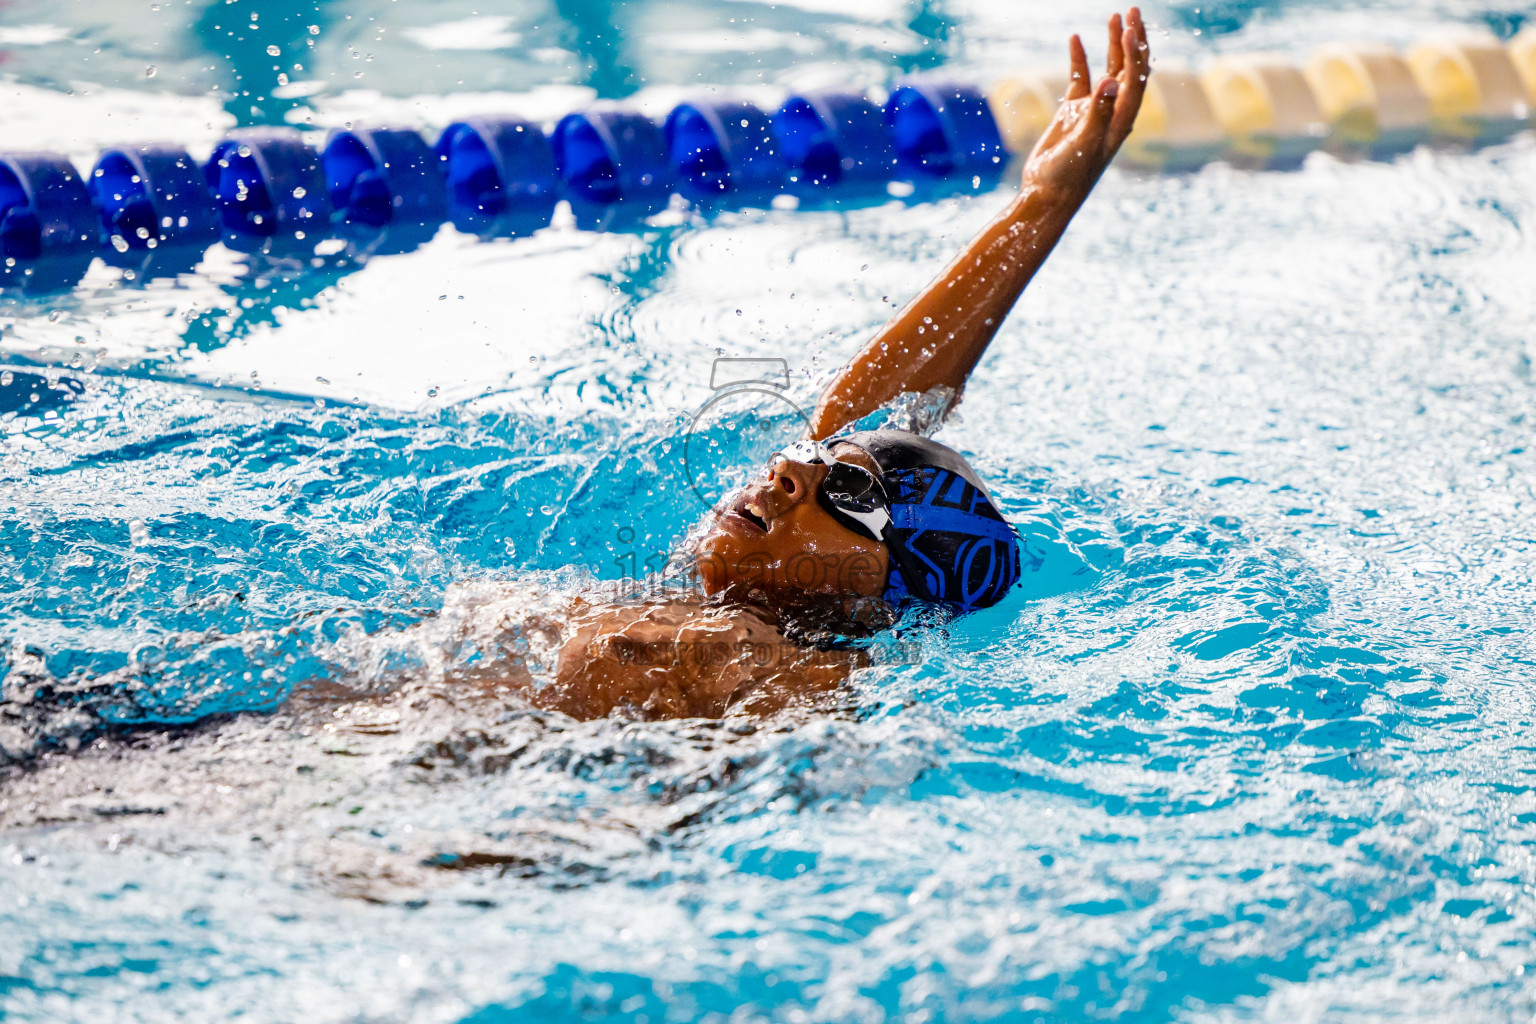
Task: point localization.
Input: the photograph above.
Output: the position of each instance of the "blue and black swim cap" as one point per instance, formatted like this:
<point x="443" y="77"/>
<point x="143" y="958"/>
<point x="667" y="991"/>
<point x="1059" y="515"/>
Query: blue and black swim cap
<point x="948" y="540"/>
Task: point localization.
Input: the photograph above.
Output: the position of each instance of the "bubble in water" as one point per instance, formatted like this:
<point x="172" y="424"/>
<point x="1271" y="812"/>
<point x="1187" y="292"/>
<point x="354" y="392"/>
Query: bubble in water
<point x="54" y="314"/>
<point x="274" y="50"/>
<point x="138" y="533"/>
<point x="314" y="30"/>
<point x="243" y="150"/>
<point x="142" y="232"/>
<point x="6" y="376"/>
<point x="119" y="243"/>
<point x="299" y="192"/>
<point x="548" y="510"/>
<point x="150" y="71"/>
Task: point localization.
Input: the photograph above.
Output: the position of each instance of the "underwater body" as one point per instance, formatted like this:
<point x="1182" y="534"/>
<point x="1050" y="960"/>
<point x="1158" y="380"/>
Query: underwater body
<point x="1249" y="742"/>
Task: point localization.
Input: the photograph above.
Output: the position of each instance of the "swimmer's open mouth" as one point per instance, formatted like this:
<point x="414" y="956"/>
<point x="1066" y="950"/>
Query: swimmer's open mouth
<point x="742" y="509"/>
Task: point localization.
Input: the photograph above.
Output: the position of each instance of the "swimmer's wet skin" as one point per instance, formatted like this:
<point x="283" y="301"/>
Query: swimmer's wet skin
<point x="844" y="524"/>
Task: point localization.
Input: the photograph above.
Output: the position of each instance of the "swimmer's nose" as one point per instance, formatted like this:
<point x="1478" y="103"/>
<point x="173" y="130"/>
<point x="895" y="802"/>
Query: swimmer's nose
<point x="789" y="483"/>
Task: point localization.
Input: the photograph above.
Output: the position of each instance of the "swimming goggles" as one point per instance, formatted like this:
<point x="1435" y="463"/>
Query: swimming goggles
<point x="851" y="494"/>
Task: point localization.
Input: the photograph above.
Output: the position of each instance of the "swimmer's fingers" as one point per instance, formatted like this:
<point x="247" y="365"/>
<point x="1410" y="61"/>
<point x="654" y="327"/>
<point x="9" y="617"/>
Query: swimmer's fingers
<point x="1101" y="116"/>
<point x="1116" y="49"/>
<point x="1133" y="78"/>
<point x="1079" y="87"/>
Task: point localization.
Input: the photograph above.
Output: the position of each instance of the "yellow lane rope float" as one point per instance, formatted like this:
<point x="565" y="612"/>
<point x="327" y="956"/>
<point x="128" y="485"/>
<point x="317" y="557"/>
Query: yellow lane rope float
<point x="1368" y="94"/>
<point x="1262" y="109"/>
<point x="1471" y="82"/>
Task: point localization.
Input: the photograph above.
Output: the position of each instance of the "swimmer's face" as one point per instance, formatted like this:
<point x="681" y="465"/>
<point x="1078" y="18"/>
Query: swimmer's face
<point x="774" y="540"/>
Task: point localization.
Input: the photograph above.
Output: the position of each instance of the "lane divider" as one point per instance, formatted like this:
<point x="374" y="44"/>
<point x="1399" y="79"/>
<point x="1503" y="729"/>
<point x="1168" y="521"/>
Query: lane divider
<point x="1368" y="94"/>
<point x="1469" y="82"/>
<point x="385" y="189"/>
<point x="1265" y="106"/>
<point x="828" y="139"/>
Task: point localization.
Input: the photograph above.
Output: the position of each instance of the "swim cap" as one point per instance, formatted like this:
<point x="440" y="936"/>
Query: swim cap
<point x="947" y="538"/>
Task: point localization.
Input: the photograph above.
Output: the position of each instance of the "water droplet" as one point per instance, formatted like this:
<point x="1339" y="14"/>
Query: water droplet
<point x="548" y="510"/>
<point x="282" y="79"/>
<point x="6" y="376"/>
<point x="243" y="150"/>
<point x="138" y="533"/>
<point x="431" y="392"/>
<point x="738" y="312"/>
<point x="274" y="50"/>
<point x="142" y="232"/>
<point x="299" y="192"/>
<point x="314" y="30"/>
<point x="150" y="71"/>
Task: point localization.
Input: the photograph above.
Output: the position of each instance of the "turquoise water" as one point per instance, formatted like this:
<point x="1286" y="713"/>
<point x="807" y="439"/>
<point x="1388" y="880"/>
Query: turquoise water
<point x="1251" y="743"/>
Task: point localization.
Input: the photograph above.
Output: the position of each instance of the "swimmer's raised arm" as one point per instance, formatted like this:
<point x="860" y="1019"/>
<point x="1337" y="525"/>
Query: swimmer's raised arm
<point x="938" y="337"/>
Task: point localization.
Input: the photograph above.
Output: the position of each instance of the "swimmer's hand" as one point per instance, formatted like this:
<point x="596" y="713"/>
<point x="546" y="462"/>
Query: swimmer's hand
<point x="1092" y="123"/>
<point x="937" y="338"/>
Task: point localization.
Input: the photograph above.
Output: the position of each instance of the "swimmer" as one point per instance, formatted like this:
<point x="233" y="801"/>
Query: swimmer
<point x="841" y="525"/>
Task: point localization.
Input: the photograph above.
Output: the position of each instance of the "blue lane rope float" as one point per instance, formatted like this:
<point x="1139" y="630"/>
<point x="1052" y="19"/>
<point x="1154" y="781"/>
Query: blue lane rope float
<point x="834" y="138"/>
<point x="152" y="195"/>
<point x="609" y="157"/>
<point x="721" y="147"/>
<point x="375" y="176"/>
<point x="500" y="176"/>
<point x="45" y="209"/>
<point x="268" y="182"/>
<point x="939" y="129"/>
<point x="48" y="229"/>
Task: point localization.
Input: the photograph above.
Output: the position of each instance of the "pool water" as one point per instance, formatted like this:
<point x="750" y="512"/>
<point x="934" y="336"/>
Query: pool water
<point x="1251" y="742"/>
